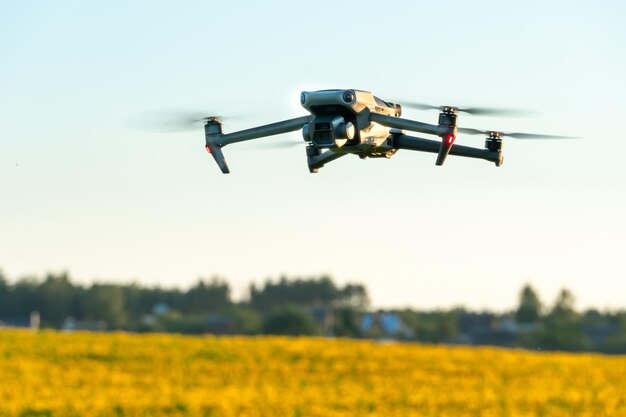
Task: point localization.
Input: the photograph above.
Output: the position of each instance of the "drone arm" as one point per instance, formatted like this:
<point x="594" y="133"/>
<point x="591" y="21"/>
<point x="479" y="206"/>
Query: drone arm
<point x="261" y="131"/>
<point x="398" y="123"/>
<point x="401" y="141"/>
<point x="318" y="161"/>
<point x="215" y="139"/>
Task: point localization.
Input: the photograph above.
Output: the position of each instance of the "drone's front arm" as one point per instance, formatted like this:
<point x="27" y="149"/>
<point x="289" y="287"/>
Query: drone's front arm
<point x="215" y="139"/>
<point x="272" y="129"/>
<point x="402" y="141"/>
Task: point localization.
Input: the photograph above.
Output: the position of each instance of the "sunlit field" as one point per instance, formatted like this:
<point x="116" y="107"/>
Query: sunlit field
<point x="84" y="374"/>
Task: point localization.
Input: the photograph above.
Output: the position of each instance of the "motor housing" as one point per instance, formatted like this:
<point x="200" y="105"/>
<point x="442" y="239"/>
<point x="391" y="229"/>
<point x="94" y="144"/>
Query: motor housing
<point x="493" y="143"/>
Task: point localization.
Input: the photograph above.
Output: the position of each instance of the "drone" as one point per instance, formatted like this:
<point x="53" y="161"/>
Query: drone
<point x="355" y="122"/>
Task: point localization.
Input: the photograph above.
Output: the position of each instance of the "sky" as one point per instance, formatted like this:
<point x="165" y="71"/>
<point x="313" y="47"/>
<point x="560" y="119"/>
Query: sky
<point x="82" y="189"/>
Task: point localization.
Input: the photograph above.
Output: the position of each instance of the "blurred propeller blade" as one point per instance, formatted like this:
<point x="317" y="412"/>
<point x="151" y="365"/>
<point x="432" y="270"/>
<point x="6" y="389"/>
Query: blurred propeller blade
<point x="420" y="106"/>
<point x="476" y="111"/>
<point x="486" y="111"/>
<point x="515" y="135"/>
<point x="168" y="121"/>
<point x="519" y="135"/>
<point x="471" y="131"/>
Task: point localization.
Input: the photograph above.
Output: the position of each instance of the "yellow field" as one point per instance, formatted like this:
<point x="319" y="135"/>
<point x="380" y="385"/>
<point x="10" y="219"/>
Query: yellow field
<point x="82" y="374"/>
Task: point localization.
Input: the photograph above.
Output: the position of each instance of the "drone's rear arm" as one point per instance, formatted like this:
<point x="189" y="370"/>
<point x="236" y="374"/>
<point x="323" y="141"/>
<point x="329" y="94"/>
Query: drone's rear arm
<point x="402" y="141"/>
<point x="317" y="160"/>
<point x="406" y="124"/>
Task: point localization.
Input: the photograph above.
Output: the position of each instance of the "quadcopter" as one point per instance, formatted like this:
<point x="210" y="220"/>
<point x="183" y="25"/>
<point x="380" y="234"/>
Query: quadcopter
<point x="344" y="122"/>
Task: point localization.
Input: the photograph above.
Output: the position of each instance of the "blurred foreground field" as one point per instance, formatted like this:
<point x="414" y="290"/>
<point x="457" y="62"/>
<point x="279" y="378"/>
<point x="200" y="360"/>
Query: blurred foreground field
<point x="85" y="374"/>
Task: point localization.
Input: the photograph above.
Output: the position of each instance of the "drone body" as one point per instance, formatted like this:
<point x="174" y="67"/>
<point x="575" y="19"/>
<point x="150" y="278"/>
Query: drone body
<point x="343" y="122"/>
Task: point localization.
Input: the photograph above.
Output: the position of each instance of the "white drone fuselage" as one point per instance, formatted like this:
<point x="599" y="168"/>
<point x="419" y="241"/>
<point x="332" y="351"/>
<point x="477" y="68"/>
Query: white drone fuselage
<point x="332" y="110"/>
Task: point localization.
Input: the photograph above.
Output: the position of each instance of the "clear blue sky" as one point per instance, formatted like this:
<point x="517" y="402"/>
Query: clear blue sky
<point x="82" y="191"/>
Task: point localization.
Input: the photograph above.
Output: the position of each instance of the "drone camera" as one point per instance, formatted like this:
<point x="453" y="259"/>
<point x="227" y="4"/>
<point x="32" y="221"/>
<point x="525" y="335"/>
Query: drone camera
<point x="329" y="131"/>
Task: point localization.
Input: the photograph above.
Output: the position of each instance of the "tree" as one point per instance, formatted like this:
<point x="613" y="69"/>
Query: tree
<point x="207" y="297"/>
<point x="290" y="320"/>
<point x="530" y="307"/>
<point x="564" y="305"/>
<point x="562" y="328"/>
<point x="354" y="296"/>
<point x="247" y="321"/>
<point x="4" y="296"/>
<point x="23" y="299"/>
<point x="320" y="291"/>
<point x="56" y="299"/>
<point x="447" y="327"/>
<point x="106" y="302"/>
<point x="346" y="323"/>
<point x="141" y="300"/>
<point x="309" y="291"/>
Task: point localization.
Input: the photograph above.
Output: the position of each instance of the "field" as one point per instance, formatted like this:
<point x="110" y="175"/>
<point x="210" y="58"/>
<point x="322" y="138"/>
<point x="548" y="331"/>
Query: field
<point x="82" y="374"/>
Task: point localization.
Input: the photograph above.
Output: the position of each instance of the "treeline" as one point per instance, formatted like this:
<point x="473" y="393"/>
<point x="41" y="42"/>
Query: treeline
<point x="531" y="325"/>
<point x="304" y="306"/>
<point x="281" y="307"/>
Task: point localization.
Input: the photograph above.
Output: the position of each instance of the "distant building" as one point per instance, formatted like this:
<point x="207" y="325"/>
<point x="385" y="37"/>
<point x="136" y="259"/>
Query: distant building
<point x="160" y="309"/>
<point x="220" y="324"/>
<point x="325" y="319"/>
<point x="381" y="325"/>
<point x="598" y="334"/>
<point x="71" y="324"/>
<point x="148" y="320"/>
<point x="32" y="323"/>
<point x="486" y="329"/>
<point x="476" y="323"/>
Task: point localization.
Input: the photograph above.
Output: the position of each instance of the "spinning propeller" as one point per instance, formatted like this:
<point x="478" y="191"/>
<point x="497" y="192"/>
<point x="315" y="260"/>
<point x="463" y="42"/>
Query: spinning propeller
<point x="476" y="111"/>
<point x="515" y="135"/>
<point x="171" y="121"/>
<point x="174" y="121"/>
<point x="447" y="117"/>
